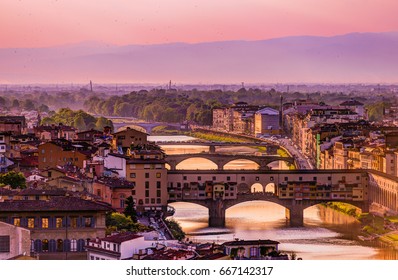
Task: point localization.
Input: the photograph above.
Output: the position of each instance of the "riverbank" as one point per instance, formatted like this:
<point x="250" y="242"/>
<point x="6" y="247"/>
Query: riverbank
<point x="374" y="225"/>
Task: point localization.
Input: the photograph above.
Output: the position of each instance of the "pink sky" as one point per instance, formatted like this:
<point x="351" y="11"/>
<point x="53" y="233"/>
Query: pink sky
<point x="39" y="23"/>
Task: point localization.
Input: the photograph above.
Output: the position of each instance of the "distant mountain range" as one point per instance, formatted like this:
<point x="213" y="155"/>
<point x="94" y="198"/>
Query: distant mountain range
<point x="355" y="57"/>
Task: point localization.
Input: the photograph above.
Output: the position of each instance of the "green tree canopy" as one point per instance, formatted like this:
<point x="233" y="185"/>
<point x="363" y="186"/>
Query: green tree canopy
<point x="13" y="179"/>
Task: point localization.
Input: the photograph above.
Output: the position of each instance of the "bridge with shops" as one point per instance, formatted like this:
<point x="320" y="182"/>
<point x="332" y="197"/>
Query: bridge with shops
<point x="360" y="188"/>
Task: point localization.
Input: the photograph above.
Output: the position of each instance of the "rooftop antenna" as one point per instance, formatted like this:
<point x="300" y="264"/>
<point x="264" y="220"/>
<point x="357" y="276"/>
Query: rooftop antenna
<point x="91" y="86"/>
<point x="170" y="84"/>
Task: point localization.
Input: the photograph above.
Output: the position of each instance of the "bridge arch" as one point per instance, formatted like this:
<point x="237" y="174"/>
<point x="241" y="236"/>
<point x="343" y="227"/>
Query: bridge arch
<point x="288" y="161"/>
<point x="209" y="164"/>
<point x="233" y="164"/>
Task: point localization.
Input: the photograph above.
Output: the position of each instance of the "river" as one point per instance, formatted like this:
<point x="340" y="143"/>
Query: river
<point x="326" y="235"/>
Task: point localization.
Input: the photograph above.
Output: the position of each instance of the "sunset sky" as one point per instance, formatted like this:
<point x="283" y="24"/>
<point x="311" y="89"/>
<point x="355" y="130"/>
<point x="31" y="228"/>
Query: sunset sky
<point x="41" y="23"/>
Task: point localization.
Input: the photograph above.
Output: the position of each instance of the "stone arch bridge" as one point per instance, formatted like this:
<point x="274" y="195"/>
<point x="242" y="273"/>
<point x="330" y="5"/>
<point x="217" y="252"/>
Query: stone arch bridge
<point x="294" y="208"/>
<point x="222" y="159"/>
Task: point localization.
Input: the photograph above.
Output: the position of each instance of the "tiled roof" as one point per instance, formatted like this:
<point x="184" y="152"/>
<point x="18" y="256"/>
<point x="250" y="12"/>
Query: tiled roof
<point x="4" y="191"/>
<point x="57" y="192"/>
<point x="55" y="203"/>
<point x="250" y="242"/>
<point x="121" y="237"/>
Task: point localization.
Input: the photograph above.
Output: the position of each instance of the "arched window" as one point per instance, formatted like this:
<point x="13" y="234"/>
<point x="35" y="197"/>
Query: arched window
<point x="73" y="245"/>
<point x="44" y="245"/>
<point x="60" y="245"/>
<point x="253" y="252"/>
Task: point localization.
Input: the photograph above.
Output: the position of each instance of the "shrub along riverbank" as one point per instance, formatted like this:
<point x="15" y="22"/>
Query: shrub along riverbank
<point x="385" y="228"/>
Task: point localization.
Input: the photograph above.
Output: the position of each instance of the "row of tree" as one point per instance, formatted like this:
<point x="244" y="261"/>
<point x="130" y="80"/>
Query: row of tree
<point x="78" y="119"/>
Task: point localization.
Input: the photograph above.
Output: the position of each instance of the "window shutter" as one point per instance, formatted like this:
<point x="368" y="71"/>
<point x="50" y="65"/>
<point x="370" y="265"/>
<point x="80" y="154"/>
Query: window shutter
<point x="39" y="222"/>
<point x="24" y="222"/>
<point x="80" y="245"/>
<point x="38" y="245"/>
<point x="66" y="245"/>
<point x="52" y="245"/>
<point x="78" y="222"/>
<point x="51" y="222"/>
<point x="92" y="221"/>
<point x="64" y="221"/>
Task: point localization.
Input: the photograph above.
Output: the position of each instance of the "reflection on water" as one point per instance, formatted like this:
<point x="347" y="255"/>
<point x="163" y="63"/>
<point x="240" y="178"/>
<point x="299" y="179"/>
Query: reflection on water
<point x="318" y="239"/>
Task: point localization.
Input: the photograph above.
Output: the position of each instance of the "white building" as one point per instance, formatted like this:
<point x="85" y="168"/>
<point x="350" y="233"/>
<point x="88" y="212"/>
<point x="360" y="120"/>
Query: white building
<point x="116" y="247"/>
<point x="115" y="162"/>
<point x="14" y="241"/>
<point x="266" y="121"/>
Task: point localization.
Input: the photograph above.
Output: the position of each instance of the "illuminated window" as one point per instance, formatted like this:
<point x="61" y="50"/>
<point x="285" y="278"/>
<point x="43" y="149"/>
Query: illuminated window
<point x="31" y="222"/>
<point x="158" y="175"/>
<point x="17" y="222"/>
<point x="58" y="222"/>
<point x="44" y="224"/>
<point x="73" y="222"/>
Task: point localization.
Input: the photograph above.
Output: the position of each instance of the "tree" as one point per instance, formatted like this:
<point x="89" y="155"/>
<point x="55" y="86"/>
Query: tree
<point x="101" y="123"/>
<point x="79" y="123"/>
<point x="130" y="211"/>
<point x="120" y="221"/>
<point x="29" y="105"/>
<point x="13" y="179"/>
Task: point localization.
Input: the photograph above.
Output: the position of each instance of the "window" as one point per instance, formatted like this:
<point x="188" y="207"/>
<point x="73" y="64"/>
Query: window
<point x="132" y="166"/>
<point x="146" y="193"/>
<point x="214" y="178"/>
<point x="300" y="178"/>
<point x="58" y="222"/>
<point x="146" y="200"/>
<point x="158" y="201"/>
<point x="44" y="222"/>
<point x="132" y="192"/>
<point x="158" y="184"/>
<point x="242" y="178"/>
<point x="158" y="193"/>
<point x="184" y="177"/>
<point x="146" y="184"/>
<point x="132" y="175"/>
<point x="315" y="178"/>
<point x="122" y="200"/>
<point x="73" y="245"/>
<point x="158" y="175"/>
<point x="31" y="222"/>
<point x="17" y="222"/>
<point x="286" y="179"/>
<point x="329" y="178"/>
<point x="257" y="179"/>
<point x="152" y="200"/>
<point x="271" y="178"/>
<point x="228" y="178"/>
<point x="199" y="178"/>
<point x="73" y="222"/>
<point x="87" y="221"/>
<point x="146" y="175"/>
<point x="4" y="243"/>
<point x="44" y="245"/>
<point x="147" y="166"/>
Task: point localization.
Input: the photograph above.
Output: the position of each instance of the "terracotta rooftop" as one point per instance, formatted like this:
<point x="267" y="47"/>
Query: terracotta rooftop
<point x="250" y="242"/>
<point x="55" y="203"/>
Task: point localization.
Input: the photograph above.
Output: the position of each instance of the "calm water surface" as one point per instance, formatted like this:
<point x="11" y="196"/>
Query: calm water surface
<point x="326" y="234"/>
